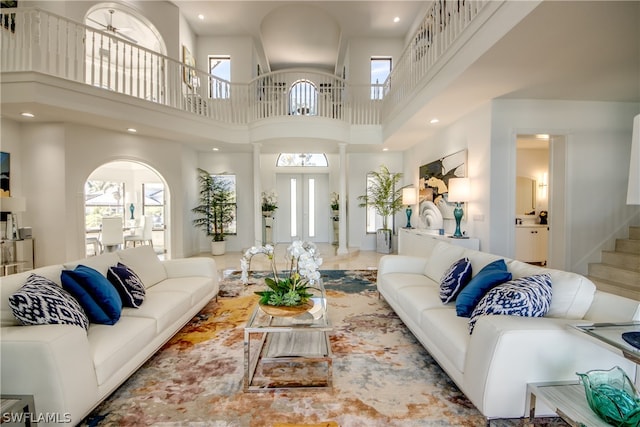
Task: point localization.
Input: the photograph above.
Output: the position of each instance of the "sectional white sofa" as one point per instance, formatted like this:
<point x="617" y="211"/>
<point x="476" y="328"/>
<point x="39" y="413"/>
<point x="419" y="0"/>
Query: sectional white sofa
<point x="493" y="365"/>
<point x="69" y="370"/>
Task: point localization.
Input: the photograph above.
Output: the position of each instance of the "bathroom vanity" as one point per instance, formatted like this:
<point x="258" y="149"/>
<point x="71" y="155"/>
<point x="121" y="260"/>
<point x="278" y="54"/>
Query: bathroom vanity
<point x="531" y="243"/>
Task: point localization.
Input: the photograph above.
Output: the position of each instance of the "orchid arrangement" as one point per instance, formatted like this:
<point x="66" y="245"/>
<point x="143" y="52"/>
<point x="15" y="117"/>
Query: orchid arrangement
<point x="293" y="289"/>
<point x="269" y="201"/>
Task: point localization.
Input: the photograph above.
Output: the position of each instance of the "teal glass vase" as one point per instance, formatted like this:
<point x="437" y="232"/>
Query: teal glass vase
<point x="612" y="396"/>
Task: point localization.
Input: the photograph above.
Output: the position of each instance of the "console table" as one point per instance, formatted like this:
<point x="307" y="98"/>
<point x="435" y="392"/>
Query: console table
<point x="411" y="241"/>
<point x="17" y="255"/>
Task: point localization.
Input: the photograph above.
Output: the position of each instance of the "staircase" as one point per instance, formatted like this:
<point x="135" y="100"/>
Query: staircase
<point x="619" y="271"/>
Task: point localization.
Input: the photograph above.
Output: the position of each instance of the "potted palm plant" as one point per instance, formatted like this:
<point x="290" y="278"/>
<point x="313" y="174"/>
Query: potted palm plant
<point x="215" y="209"/>
<point x="386" y="199"/>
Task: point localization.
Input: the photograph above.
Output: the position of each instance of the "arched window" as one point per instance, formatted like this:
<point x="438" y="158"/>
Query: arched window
<point x="303" y="99"/>
<point x="302" y="159"/>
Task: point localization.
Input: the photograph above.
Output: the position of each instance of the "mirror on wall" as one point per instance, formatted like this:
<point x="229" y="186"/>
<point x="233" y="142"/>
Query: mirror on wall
<point x="525" y="195"/>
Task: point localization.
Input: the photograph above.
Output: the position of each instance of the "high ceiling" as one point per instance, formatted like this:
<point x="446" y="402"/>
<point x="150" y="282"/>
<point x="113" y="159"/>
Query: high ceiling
<point x="302" y="33"/>
<point x="568" y="50"/>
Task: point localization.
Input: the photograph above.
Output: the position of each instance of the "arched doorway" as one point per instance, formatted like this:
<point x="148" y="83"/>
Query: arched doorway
<point x="129" y="190"/>
<point x="127" y="54"/>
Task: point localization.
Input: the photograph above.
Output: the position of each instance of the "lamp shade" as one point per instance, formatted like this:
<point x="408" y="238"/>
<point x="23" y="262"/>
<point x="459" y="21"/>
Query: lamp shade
<point x="633" y="189"/>
<point x="13" y="204"/>
<point x="459" y="190"/>
<point x="409" y="196"/>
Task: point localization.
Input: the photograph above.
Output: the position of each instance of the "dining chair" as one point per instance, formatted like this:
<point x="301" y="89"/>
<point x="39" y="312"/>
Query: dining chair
<point x="112" y="236"/>
<point x="143" y="234"/>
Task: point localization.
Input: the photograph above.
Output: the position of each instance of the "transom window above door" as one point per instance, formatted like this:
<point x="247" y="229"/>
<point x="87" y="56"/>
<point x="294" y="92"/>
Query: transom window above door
<point x="302" y="159"/>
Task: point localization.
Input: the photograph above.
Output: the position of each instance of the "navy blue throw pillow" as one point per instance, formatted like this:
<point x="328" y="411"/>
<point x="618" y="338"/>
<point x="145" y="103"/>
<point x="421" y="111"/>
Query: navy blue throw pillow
<point x="491" y="275"/>
<point x="95" y="294"/>
<point x="454" y="279"/>
<point x="128" y="285"/>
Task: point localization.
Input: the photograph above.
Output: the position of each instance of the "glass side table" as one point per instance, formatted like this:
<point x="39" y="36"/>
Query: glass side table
<point x="567" y="399"/>
<point x="610" y="336"/>
<point x="289" y="352"/>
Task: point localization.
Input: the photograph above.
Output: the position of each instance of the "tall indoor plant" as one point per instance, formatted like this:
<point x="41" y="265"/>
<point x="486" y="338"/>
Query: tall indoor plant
<point x="386" y="199"/>
<point x="215" y="209"/>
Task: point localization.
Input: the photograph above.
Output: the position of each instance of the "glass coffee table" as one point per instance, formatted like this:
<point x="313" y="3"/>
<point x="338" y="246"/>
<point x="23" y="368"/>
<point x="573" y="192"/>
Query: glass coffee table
<point x="289" y="352"/>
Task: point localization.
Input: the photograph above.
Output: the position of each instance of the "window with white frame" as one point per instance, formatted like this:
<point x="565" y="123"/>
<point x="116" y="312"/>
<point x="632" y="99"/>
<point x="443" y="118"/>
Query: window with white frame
<point x="302" y="159"/>
<point x="220" y="67"/>
<point x="303" y="99"/>
<point x="153" y="203"/>
<point x="230" y="180"/>
<point x="380" y="70"/>
<point x="102" y="198"/>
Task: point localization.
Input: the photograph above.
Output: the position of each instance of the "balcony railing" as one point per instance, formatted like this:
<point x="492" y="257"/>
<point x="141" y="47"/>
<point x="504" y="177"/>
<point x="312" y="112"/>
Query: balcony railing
<point x="35" y="40"/>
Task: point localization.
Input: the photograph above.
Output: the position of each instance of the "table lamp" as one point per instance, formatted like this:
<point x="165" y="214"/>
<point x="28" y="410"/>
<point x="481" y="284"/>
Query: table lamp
<point x="409" y="198"/>
<point x="459" y="191"/>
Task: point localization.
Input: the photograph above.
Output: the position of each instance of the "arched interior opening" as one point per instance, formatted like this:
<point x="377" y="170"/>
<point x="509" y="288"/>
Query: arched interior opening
<point x="134" y="193"/>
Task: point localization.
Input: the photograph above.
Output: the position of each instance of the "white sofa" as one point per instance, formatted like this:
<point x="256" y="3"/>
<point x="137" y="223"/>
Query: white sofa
<point x="493" y="365"/>
<point x="68" y="370"/>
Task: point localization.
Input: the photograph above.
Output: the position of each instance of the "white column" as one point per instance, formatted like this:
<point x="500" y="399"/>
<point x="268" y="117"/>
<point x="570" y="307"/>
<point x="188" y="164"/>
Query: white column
<point x="342" y="227"/>
<point x="257" y="200"/>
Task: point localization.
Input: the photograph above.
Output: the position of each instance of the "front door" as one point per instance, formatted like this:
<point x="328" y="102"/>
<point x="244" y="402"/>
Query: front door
<point x="303" y="208"/>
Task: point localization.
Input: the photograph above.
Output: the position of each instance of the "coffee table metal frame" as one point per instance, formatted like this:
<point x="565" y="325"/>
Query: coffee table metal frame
<point x="304" y="338"/>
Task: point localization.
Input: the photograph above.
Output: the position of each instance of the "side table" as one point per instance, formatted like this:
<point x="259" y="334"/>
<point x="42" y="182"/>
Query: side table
<point x="17" y="410"/>
<point x="567" y="399"/>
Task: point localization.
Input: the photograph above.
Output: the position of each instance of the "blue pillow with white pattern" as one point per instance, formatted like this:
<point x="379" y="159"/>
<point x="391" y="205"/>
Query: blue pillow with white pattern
<point x="454" y="279"/>
<point x="41" y="302"/>
<point x="526" y="297"/>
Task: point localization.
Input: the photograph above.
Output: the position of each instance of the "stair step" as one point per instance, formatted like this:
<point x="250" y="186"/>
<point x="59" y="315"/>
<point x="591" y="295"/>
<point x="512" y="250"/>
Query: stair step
<point x="634" y="233"/>
<point x="615" y="274"/>
<point x="615" y="288"/>
<point x="628" y="245"/>
<point x="622" y="259"/>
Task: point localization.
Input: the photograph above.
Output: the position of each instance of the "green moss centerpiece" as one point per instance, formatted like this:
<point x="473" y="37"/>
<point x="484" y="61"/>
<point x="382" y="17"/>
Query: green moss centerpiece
<point x="287" y="295"/>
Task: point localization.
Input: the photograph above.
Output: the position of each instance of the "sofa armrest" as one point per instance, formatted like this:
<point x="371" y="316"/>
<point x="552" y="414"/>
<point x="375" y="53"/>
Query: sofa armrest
<point x="507" y="352"/>
<point x="53" y="363"/>
<point x="189" y="267"/>
<point x="401" y="264"/>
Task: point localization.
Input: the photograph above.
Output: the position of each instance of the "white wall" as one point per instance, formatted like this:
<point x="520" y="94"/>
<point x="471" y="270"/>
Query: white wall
<point x="240" y="49"/>
<point x="472" y="133"/>
<point x="55" y="161"/>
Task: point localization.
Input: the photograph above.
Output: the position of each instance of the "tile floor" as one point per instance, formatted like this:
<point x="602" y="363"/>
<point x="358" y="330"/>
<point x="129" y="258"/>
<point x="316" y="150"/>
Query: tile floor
<point x="355" y="260"/>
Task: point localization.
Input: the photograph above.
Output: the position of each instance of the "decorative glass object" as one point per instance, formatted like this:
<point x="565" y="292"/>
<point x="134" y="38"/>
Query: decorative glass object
<point x="612" y="396"/>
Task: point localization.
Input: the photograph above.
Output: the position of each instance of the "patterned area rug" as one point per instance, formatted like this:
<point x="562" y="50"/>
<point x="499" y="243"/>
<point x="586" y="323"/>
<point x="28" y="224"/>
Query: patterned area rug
<point x="382" y="376"/>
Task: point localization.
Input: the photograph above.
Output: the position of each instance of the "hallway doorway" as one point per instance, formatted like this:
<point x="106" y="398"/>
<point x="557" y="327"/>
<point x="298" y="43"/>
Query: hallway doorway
<point x="131" y="191"/>
<point x="303" y="212"/>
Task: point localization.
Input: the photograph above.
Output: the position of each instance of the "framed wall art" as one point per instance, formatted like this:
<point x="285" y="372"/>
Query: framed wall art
<point x="188" y="59"/>
<point x="434" y="185"/>
<point x="5" y="169"/>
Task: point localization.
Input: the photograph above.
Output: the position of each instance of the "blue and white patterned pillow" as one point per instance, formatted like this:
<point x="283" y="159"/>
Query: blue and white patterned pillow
<point x="128" y="285"/>
<point x="527" y="297"/>
<point x="454" y="279"/>
<point x="41" y="302"/>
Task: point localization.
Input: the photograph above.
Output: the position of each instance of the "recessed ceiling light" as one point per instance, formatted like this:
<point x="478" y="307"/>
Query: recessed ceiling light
<point x="200" y="16"/>
<point x="132" y="130"/>
<point x="215" y="149"/>
<point x="542" y="136"/>
<point x="434" y="121"/>
<point x="385" y="149"/>
<point x="25" y="114"/>
<point x="396" y="19"/>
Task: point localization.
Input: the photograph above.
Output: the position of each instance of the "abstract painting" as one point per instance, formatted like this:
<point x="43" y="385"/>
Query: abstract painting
<point x="434" y="181"/>
<point x="5" y="164"/>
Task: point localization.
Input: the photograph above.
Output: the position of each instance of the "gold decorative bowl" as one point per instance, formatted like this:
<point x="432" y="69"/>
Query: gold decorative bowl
<point x="286" y="311"/>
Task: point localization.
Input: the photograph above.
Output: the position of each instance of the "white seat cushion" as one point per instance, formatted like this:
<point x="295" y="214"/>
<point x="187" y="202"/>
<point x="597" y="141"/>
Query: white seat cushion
<point x="448" y="332"/>
<point x="197" y="287"/>
<point x="164" y="307"/>
<point x="414" y="299"/>
<point x="390" y="283"/>
<point x="112" y="346"/>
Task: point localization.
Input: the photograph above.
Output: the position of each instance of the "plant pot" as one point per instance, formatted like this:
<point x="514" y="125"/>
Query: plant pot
<point x="286" y="311"/>
<point x="384" y="243"/>
<point x="218" y="248"/>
